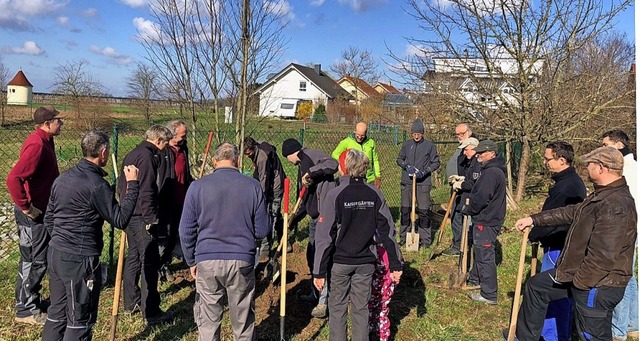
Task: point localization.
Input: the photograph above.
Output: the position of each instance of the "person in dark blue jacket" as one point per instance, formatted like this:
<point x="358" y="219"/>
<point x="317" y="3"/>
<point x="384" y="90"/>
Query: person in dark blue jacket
<point x="487" y="208"/>
<point x="81" y="200"/>
<point x="568" y="189"/>
<point x="418" y="158"/>
<point x="224" y="213"/>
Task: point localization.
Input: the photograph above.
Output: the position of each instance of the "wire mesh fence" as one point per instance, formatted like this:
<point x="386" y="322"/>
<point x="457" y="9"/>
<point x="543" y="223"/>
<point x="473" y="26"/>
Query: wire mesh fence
<point x="124" y="138"/>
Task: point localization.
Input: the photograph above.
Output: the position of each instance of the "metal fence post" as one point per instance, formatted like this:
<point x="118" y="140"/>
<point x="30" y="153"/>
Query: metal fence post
<point x="302" y="137"/>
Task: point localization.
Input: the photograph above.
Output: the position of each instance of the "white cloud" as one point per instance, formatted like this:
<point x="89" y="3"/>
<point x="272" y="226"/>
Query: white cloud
<point x="17" y="14"/>
<point x="89" y="12"/>
<point x="316" y="3"/>
<point x="415" y="51"/>
<point x="361" y="5"/>
<point x="134" y="3"/>
<point x="281" y="9"/>
<point x="28" y="47"/>
<point x="112" y="54"/>
<point x="63" y="21"/>
<point x="147" y="29"/>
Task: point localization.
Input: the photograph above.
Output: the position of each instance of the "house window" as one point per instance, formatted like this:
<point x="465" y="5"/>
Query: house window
<point x="13" y="90"/>
<point x="303" y="86"/>
<point x="287" y="106"/>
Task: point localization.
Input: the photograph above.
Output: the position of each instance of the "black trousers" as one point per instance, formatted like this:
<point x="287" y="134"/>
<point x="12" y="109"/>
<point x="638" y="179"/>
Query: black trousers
<point x="34" y="240"/>
<point x="142" y="264"/>
<point x="75" y="283"/>
<point x="423" y="204"/>
<point x="484" y="254"/>
<point x="592" y="313"/>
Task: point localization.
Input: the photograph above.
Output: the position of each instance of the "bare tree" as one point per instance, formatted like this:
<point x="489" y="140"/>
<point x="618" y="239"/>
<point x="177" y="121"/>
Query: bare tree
<point x="75" y="82"/>
<point x="4" y="79"/>
<point x="360" y="66"/>
<point x="143" y="85"/>
<point x="526" y="52"/>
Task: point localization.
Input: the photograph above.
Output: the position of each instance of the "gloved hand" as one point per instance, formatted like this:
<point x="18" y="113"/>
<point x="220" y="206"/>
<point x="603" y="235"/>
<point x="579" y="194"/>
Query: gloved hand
<point x="33" y="212"/>
<point x="377" y="182"/>
<point x="421" y="174"/>
<point x="410" y="170"/>
<point x="306" y="179"/>
<point x="452" y="179"/>
<point x="457" y="185"/>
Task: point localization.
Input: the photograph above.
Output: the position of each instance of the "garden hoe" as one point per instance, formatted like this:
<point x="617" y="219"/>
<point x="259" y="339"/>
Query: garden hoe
<point x="413" y="237"/>
<point x="442" y="225"/>
<point x="206" y="154"/>
<point x="459" y="279"/>
<point x="516" y="295"/>
<point x="273" y="267"/>
<point x="116" y="293"/>
<point x="283" y="269"/>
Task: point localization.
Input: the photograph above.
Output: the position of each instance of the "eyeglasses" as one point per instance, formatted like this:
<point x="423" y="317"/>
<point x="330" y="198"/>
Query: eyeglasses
<point x="462" y="133"/>
<point x="547" y="159"/>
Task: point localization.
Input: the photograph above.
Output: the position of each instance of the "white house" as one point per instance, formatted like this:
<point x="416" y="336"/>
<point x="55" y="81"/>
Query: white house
<point x="282" y="92"/>
<point x="19" y="90"/>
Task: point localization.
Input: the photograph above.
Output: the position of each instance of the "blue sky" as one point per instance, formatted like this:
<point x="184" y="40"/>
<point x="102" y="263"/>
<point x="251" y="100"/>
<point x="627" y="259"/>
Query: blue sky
<point x="38" y="35"/>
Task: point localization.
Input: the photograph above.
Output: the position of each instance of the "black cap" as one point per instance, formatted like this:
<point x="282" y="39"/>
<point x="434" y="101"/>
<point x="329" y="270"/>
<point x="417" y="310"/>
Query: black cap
<point x="486" y="145"/>
<point x="290" y="146"/>
<point x="44" y="114"/>
<point x="417" y="126"/>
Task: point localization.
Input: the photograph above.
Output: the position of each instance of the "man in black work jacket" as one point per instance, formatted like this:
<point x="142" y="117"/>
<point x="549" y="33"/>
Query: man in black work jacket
<point x="81" y="200"/>
<point x="143" y="259"/>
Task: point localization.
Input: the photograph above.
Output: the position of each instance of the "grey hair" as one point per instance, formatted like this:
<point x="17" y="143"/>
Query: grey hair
<point x="226" y="151"/>
<point x="93" y="142"/>
<point x="356" y="163"/>
<point x="157" y="131"/>
<point x="174" y="125"/>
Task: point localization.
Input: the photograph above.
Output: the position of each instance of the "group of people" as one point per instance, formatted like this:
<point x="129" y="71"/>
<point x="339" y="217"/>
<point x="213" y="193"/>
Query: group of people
<point x="224" y="223"/>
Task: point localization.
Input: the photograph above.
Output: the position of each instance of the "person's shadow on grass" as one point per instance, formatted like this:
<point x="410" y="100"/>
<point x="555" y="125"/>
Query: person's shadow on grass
<point x="408" y="294"/>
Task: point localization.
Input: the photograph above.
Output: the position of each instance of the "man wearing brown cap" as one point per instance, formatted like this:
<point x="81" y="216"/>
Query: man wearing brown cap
<point x="595" y="264"/>
<point x="29" y="183"/>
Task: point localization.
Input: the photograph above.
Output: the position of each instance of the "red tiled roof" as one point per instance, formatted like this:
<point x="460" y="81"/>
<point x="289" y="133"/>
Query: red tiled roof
<point x="361" y="85"/>
<point x="20" y="80"/>
<point x="388" y="88"/>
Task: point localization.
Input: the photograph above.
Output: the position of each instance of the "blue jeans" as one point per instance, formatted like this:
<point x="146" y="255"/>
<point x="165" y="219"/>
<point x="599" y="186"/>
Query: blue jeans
<point x="625" y="315"/>
<point x="558" y="321"/>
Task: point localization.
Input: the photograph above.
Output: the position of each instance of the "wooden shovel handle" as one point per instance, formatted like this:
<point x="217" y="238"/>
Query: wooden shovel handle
<point x="518" y="289"/>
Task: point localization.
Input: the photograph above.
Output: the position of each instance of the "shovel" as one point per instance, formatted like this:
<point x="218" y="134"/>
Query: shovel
<point x="516" y="295"/>
<point x="273" y="265"/>
<point x="413" y="237"/>
<point x="283" y="278"/>
<point x="442" y="225"/>
<point x="458" y="279"/>
<point x="116" y="293"/>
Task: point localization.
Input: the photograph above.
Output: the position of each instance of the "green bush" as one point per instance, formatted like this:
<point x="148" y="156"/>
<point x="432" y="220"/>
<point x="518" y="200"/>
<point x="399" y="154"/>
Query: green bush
<point x="320" y="114"/>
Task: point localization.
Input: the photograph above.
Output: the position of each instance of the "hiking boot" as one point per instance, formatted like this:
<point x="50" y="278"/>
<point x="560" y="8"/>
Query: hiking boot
<point x="505" y="335"/>
<point x="163" y="318"/>
<point x="38" y="319"/>
<point x="476" y="296"/>
<point x="132" y="311"/>
<point x="451" y="252"/>
<point x="320" y="311"/>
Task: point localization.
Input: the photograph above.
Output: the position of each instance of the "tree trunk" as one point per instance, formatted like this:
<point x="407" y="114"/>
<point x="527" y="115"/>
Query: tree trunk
<point x="525" y="160"/>
<point x="507" y="158"/>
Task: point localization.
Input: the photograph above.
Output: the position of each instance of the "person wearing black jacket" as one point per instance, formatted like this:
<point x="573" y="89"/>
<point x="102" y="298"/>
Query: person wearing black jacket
<point x="81" y="200"/>
<point x="487" y="208"/>
<point x="174" y="178"/>
<point x="568" y="189"/>
<point x="418" y="158"/>
<point x="269" y="172"/>
<point x="353" y="218"/>
<point x="143" y="258"/>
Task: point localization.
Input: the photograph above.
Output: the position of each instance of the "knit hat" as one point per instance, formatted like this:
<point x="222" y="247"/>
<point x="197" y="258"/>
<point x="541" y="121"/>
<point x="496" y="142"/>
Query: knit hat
<point x="609" y="157"/>
<point x="290" y="146"/>
<point x="417" y="127"/>
<point x="469" y="141"/>
<point x="342" y="161"/>
<point x="486" y="145"/>
<point x="44" y="114"/>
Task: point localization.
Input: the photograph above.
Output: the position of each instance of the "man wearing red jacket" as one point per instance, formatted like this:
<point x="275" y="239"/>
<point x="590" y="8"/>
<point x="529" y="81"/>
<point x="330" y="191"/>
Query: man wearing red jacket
<point x="29" y="183"/>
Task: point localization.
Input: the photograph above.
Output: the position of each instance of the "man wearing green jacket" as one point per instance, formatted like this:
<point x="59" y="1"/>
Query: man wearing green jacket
<point x="359" y="140"/>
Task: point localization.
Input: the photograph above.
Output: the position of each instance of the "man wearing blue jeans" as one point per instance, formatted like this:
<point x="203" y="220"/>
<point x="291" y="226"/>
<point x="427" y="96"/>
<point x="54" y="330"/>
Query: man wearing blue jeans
<point x="625" y="315"/>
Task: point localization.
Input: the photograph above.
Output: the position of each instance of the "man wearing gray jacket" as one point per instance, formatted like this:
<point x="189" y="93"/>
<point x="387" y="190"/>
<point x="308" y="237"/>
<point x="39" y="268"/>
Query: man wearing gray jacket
<point x="418" y="158"/>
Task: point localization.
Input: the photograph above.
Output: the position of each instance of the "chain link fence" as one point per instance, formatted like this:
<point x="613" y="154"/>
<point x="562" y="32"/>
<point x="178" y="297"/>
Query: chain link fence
<point x="124" y="138"/>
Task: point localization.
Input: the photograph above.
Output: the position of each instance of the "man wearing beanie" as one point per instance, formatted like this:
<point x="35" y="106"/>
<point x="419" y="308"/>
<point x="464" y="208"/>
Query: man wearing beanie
<point x="315" y="171"/>
<point x="418" y="158"/>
